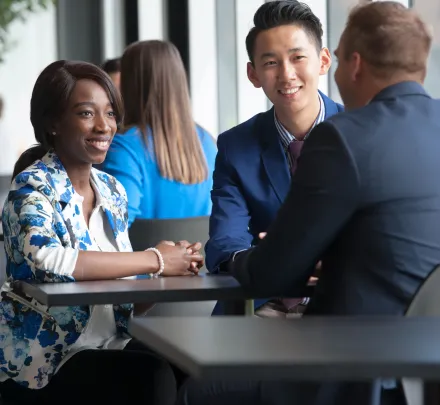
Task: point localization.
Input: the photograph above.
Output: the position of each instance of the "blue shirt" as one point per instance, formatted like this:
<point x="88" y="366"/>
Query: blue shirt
<point x="149" y="194"/>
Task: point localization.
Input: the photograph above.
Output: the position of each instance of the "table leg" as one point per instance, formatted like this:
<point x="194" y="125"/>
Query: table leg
<point x="239" y="307"/>
<point x="431" y="393"/>
<point x="234" y="307"/>
<point x="249" y="308"/>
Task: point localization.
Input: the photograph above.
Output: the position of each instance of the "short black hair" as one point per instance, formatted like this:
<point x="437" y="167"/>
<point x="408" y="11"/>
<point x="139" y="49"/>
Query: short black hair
<point x="284" y="12"/>
<point x="112" y="65"/>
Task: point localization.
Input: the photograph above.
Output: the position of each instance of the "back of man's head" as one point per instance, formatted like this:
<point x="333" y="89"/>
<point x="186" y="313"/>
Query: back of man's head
<point x="284" y="12"/>
<point x="391" y="38"/>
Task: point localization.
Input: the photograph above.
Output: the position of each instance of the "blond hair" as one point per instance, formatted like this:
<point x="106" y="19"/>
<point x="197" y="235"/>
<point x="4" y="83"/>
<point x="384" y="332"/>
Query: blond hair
<point x="154" y="87"/>
<point x="391" y="38"/>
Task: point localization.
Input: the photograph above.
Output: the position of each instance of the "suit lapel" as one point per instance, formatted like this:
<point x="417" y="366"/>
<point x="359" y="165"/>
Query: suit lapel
<point x="273" y="156"/>
<point x="331" y="108"/>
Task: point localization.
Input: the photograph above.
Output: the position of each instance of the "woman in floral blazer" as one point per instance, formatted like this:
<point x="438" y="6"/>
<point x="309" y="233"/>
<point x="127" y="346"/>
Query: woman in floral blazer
<point x="65" y="221"/>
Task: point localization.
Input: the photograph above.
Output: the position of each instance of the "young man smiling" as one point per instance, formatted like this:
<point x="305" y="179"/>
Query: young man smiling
<point x="255" y="159"/>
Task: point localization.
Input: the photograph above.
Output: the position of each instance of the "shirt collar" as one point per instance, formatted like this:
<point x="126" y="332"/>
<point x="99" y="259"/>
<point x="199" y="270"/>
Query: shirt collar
<point x="286" y="137"/>
<point x="104" y="186"/>
<point x="98" y="198"/>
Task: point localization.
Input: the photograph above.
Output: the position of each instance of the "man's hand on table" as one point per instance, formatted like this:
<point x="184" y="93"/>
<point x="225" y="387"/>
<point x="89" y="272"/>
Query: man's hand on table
<point x="262" y="235"/>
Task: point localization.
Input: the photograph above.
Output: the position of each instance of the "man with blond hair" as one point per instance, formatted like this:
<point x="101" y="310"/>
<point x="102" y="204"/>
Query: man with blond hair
<point x="365" y="198"/>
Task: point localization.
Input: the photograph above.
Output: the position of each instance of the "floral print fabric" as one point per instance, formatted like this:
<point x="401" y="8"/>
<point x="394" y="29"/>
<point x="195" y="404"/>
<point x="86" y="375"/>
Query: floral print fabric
<point x="41" y="220"/>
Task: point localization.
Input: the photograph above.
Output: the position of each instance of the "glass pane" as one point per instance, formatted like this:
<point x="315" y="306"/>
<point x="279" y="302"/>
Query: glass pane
<point x="337" y="15"/>
<point x="430" y="12"/>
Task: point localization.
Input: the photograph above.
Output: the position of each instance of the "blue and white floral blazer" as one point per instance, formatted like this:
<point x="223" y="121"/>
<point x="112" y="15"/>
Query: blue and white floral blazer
<point x="41" y="214"/>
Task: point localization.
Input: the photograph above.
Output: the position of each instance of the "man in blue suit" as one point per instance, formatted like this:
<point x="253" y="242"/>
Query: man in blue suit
<point x="256" y="158"/>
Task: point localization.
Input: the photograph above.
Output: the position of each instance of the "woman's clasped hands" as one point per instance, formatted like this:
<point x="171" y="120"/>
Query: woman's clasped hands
<point x="181" y="258"/>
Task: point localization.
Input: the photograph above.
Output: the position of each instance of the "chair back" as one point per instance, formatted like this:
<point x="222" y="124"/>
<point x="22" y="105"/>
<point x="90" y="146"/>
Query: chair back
<point x="145" y="233"/>
<point x="2" y="263"/>
<point x="426" y="302"/>
<point x="5" y="185"/>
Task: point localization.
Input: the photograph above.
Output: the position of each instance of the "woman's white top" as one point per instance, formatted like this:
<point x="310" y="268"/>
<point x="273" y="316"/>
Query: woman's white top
<point x="100" y="332"/>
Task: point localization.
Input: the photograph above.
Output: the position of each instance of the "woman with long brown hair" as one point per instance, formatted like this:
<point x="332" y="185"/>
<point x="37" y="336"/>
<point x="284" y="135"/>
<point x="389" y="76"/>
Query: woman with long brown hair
<point x="164" y="160"/>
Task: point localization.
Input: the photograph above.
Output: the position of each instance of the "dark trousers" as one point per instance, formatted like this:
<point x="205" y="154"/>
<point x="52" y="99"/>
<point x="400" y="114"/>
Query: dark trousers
<point x="134" y="375"/>
<point x="195" y="392"/>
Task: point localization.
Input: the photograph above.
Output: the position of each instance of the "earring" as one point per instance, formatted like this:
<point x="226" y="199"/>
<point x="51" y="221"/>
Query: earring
<point x="54" y="133"/>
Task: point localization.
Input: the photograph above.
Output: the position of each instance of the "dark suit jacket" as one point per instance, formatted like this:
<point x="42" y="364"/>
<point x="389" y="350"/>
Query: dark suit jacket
<point x="366" y="199"/>
<point x="251" y="180"/>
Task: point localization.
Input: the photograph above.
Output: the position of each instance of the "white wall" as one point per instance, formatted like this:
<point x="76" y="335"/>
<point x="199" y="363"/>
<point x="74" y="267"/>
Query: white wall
<point x="203" y="63"/>
<point x="35" y="48"/>
<point x="251" y="101"/>
<point x="151" y="19"/>
<point x="113" y="28"/>
<point x="429" y="11"/>
<point x="336" y="19"/>
<point x="319" y="8"/>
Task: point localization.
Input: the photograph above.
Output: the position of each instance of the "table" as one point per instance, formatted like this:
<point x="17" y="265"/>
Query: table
<point x="314" y="348"/>
<point x="163" y="289"/>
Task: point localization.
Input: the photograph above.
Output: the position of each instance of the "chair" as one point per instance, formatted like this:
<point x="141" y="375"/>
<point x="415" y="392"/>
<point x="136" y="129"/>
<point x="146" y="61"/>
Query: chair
<point x="426" y="302"/>
<point x="2" y="263"/>
<point x="145" y="233"/>
<point x="5" y="184"/>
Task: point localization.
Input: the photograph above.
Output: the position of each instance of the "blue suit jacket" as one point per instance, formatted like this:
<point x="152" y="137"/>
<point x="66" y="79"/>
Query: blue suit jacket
<point x="251" y="181"/>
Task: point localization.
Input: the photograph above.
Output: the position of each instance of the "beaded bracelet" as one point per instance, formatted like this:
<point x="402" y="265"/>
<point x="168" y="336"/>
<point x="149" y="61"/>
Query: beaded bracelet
<point x="161" y="262"/>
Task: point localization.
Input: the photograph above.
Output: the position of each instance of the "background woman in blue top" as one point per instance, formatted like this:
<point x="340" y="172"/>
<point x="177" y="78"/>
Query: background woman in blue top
<point x="162" y="158"/>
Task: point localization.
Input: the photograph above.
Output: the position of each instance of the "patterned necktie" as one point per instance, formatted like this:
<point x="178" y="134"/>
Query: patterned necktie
<point x="295" y="150"/>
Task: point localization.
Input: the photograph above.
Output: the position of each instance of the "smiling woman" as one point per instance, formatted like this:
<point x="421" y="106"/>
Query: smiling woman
<point x="65" y="221"/>
<point x="91" y="120"/>
<point x="84" y="106"/>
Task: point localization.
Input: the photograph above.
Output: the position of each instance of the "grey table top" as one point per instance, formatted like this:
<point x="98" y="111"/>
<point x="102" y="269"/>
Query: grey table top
<point x="315" y="348"/>
<point x="164" y="289"/>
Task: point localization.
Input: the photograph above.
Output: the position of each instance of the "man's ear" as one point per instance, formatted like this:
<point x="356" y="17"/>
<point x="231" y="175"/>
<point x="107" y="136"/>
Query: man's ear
<point x="355" y="66"/>
<point x="252" y="75"/>
<point x="326" y="61"/>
